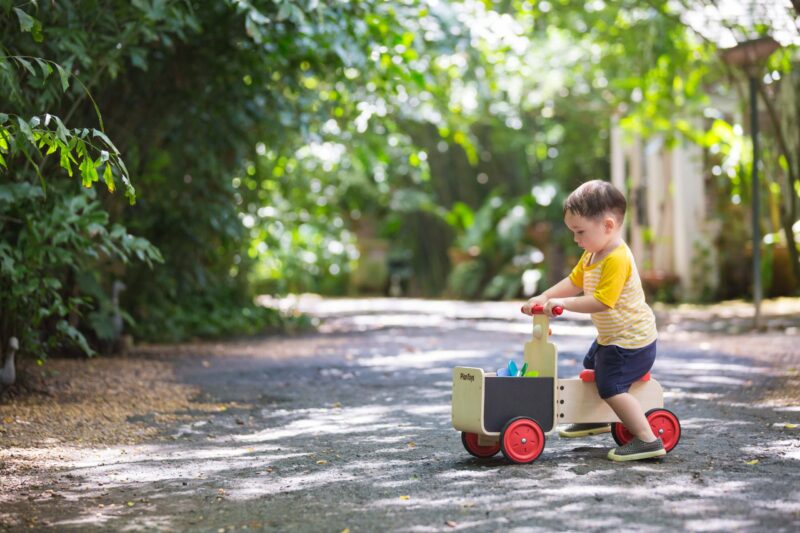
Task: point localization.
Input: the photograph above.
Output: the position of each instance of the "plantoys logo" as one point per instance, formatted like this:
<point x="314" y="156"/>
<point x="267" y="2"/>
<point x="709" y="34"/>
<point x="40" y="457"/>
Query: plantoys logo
<point x="467" y="377"/>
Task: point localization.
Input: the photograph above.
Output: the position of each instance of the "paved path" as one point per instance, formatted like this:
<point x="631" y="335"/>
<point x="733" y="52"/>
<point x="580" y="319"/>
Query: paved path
<point x="350" y="428"/>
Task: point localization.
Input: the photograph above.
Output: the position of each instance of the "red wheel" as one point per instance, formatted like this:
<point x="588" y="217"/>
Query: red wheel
<point x="470" y="442"/>
<point x="666" y="426"/>
<point x="621" y="434"/>
<point x="522" y="440"/>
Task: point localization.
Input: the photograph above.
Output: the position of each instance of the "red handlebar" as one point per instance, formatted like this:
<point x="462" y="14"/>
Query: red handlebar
<point x="539" y="310"/>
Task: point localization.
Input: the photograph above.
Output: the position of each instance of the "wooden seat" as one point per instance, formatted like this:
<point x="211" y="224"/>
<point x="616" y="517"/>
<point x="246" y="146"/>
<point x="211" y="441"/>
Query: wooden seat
<point x="587" y="376"/>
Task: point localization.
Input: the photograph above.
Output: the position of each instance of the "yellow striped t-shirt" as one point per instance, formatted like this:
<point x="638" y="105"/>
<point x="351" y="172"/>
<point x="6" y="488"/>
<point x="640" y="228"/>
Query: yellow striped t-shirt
<point x="614" y="280"/>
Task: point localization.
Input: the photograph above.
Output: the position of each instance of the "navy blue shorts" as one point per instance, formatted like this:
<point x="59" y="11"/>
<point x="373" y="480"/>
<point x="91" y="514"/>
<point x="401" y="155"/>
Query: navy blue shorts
<point x="616" y="369"/>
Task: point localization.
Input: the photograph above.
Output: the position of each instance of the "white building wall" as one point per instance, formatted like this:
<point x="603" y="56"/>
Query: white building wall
<point x="692" y="262"/>
<point x="672" y="182"/>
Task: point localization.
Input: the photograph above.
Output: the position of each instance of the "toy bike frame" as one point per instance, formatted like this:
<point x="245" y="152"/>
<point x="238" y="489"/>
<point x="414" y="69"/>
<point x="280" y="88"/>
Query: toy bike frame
<point x="485" y="405"/>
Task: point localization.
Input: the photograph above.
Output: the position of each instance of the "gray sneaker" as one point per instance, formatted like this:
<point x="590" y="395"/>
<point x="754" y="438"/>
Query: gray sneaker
<point x="584" y="430"/>
<point x="637" y="450"/>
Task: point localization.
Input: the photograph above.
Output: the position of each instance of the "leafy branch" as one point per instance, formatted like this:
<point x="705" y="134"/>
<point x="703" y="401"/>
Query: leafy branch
<point x="35" y="138"/>
<point x="87" y="149"/>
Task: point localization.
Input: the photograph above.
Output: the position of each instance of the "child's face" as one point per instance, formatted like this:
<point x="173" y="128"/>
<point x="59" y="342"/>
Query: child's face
<point x="591" y="234"/>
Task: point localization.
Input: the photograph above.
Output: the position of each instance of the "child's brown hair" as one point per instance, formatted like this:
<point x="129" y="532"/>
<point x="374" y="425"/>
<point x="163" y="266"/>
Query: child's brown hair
<point x="595" y="198"/>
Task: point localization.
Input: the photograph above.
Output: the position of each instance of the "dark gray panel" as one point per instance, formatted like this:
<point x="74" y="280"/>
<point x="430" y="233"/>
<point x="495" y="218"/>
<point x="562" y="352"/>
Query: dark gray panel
<point x="506" y="398"/>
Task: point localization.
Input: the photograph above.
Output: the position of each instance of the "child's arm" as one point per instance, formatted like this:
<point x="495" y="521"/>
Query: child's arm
<point x="580" y="304"/>
<point x="563" y="288"/>
<point x="616" y="271"/>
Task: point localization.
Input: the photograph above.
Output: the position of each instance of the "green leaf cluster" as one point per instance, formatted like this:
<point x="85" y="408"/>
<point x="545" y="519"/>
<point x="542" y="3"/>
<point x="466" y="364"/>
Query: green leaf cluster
<point x="271" y="139"/>
<point x="49" y="250"/>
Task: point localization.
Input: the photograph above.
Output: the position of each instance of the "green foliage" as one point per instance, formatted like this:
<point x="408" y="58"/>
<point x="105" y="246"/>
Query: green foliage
<point x="212" y="315"/>
<point x="52" y="236"/>
<point x="45" y="245"/>
<point x="270" y="139"/>
<point x="169" y="78"/>
<point x="88" y="150"/>
<point x="466" y="279"/>
<point x="34" y="139"/>
<point x="491" y="251"/>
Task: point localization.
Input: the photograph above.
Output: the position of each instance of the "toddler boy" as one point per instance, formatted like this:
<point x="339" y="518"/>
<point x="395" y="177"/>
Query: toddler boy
<point x="625" y="348"/>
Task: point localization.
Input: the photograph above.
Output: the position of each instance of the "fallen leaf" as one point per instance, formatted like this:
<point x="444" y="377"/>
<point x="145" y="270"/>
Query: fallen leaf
<point x="322" y="462"/>
<point x="405" y="497"/>
<point x="753" y="462"/>
<point x="131" y="504"/>
<point x="337" y="405"/>
<point x="346" y="530"/>
<point x="450" y="523"/>
<point x="790" y="426"/>
<point x="412" y="444"/>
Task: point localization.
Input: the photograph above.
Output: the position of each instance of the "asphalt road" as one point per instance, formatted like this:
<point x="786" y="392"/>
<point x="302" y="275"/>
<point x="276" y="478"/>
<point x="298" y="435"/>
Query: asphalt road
<point x="349" y="428"/>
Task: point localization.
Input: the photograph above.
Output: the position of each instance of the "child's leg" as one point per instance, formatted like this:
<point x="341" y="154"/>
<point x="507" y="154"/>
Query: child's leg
<point x="615" y="370"/>
<point x="644" y="445"/>
<point x="586" y="430"/>
<point x="630" y="412"/>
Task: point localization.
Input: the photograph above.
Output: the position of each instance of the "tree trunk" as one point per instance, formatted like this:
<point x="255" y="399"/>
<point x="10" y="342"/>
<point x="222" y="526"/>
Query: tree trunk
<point x="789" y="207"/>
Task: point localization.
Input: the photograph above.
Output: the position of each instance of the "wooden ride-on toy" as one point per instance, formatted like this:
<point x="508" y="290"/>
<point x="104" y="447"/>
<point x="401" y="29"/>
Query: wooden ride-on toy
<point x="513" y="414"/>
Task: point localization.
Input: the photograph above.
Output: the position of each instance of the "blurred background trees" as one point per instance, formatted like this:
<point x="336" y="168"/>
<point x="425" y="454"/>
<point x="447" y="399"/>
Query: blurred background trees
<point x="275" y="146"/>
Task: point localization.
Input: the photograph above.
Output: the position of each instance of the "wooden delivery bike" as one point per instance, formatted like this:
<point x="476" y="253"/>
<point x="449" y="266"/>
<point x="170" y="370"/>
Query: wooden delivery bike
<point x="513" y="414"/>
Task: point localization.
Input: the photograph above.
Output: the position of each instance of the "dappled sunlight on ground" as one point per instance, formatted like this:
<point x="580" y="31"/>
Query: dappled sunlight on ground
<point x="107" y="514"/>
<point x="682" y="378"/>
<point x="444" y="359"/>
<point x="719" y="524"/>
<point x="783" y="409"/>
<point x="369" y="419"/>
<point x="295" y="454"/>
<point x="707" y="423"/>
<point x="363" y="440"/>
<point x="689" y="395"/>
<point x="318" y="306"/>
<point x="784" y="449"/>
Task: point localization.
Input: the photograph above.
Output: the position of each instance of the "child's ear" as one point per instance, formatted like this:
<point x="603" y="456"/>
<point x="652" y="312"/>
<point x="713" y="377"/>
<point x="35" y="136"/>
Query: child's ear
<point x="609" y="224"/>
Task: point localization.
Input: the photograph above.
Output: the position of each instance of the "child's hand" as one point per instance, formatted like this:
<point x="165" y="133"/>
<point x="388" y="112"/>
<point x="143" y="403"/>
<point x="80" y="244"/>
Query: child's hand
<point x="554" y="302"/>
<point x="536" y="300"/>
